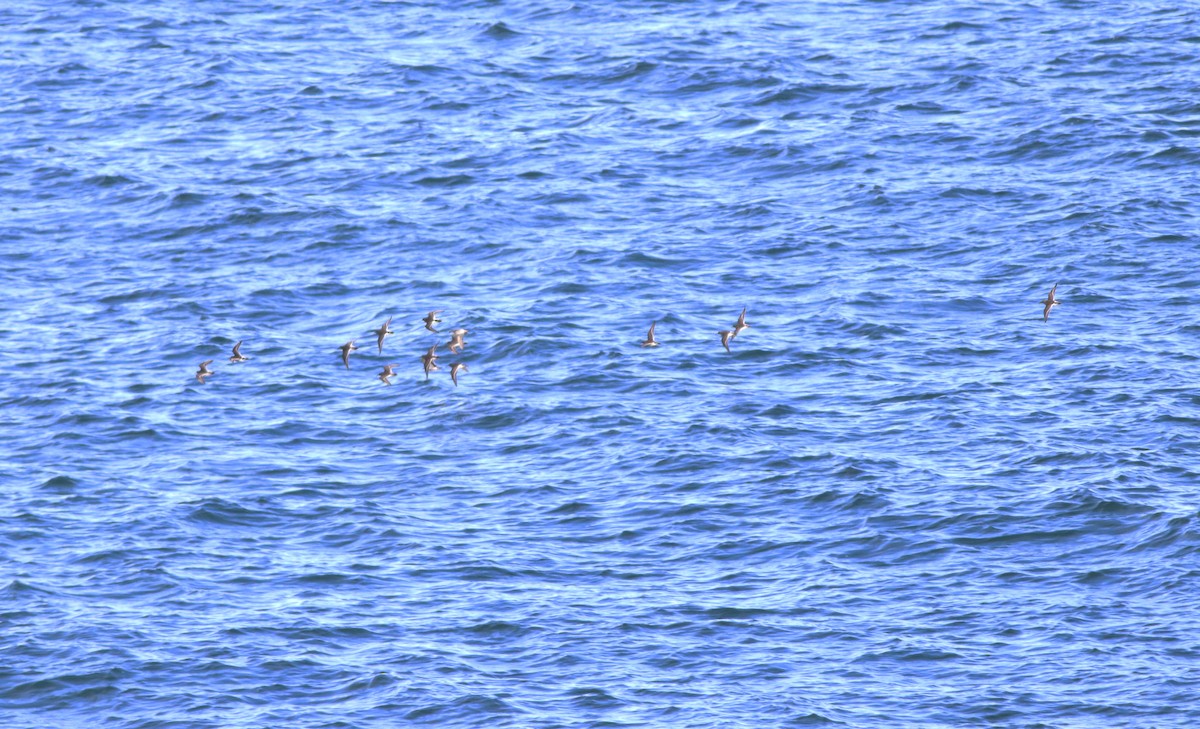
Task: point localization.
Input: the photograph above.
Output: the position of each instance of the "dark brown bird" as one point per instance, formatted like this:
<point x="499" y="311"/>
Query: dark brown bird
<point x="650" y="340"/>
<point x="429" y="359"/>
<point x="455" y="369"/>
<point x="237" y="353"/>
<point x="382" y="332"/>
<point x="204" y="371"/>
<point x="1050" y="302"/>
<point x="347" y="348"/>
<point x="741" y="323"/>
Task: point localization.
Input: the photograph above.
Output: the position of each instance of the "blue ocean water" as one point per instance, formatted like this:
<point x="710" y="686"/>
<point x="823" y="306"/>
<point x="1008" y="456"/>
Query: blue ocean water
<point x="901" y="499"/>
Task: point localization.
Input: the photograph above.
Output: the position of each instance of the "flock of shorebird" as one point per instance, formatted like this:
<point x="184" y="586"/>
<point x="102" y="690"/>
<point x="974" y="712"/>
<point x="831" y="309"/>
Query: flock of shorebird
<point x="429" y="359"/>
<point x="457" y="343"/>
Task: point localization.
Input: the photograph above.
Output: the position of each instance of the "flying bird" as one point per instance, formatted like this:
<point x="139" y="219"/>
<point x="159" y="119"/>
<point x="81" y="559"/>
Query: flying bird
<point x="456" y="340"/>
<point x="431" y="319"/>
<point x="741" y="323"/>
<point x="726" y="335"/>
<point x="650" y="340"/>
<point x="387" y="373"/>
<point x="204" y="371"/>
<point x="382" y="332"/>
<point x="237" y="353"/>
<point x="455" y="369"/>
<point x="347" y="348"/>
<point x="429" y="359"/>
<point x="1050" y="302"/>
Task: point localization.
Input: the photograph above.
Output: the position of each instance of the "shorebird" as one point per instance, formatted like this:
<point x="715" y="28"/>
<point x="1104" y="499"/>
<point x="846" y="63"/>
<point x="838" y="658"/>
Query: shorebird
<point x="237" y="353"/>
<point x="726" y="335"/>
<point x="382" y="332"/>
<point x="455" y="369"/>
<point x="431" y="319"/>
<point x="650" y="340"/>
<point x="741" y="323"/>
<point x="347" y="348"/>
<point x="204" y="371"/>
<point x="429" y="359"/>
<point x="1050" y="302"/>
<point x="456" y="340"/>
<point x="387" y="372"/>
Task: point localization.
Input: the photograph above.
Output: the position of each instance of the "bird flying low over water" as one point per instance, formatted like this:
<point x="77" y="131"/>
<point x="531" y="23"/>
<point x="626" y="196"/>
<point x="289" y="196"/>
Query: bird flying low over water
<point x="382" y="332"/>
<point x="726" y="335"/>
<point x="429" y="359"/>
<point x="1050" y="302"/>
<point x="455" y="369"/>
<point x="741" y="323"/>
<point x="650" y="340"/>
<point x="387" y="373"/>
<point x="237" y="353"/>
<point x="204" y="371"/>
<point x="347" y="348"/>
<point x="456" y="340"/>
<point x="431" y="319"/>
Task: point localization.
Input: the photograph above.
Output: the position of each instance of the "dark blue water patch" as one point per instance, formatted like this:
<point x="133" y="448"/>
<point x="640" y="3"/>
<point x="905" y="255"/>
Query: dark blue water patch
<point x="109" y="180"/>
<point x="466" y="709"/>
<point x="18" y="588"/>
<point x="908" y="654"/>
<point x="806" y="93"/>
<point x="1086" y="501"/>
<point x="63" y="691"/>
<point x="226" y="513"/>
<point x="60" y="485"/>
<point x="497" y="630"/>
<point x="1179" y="534"/>
<point x="813" y="719"/>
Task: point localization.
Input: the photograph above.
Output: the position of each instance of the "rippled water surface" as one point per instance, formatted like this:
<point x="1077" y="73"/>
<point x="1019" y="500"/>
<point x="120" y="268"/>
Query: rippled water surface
<point x="901" y="499"/>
